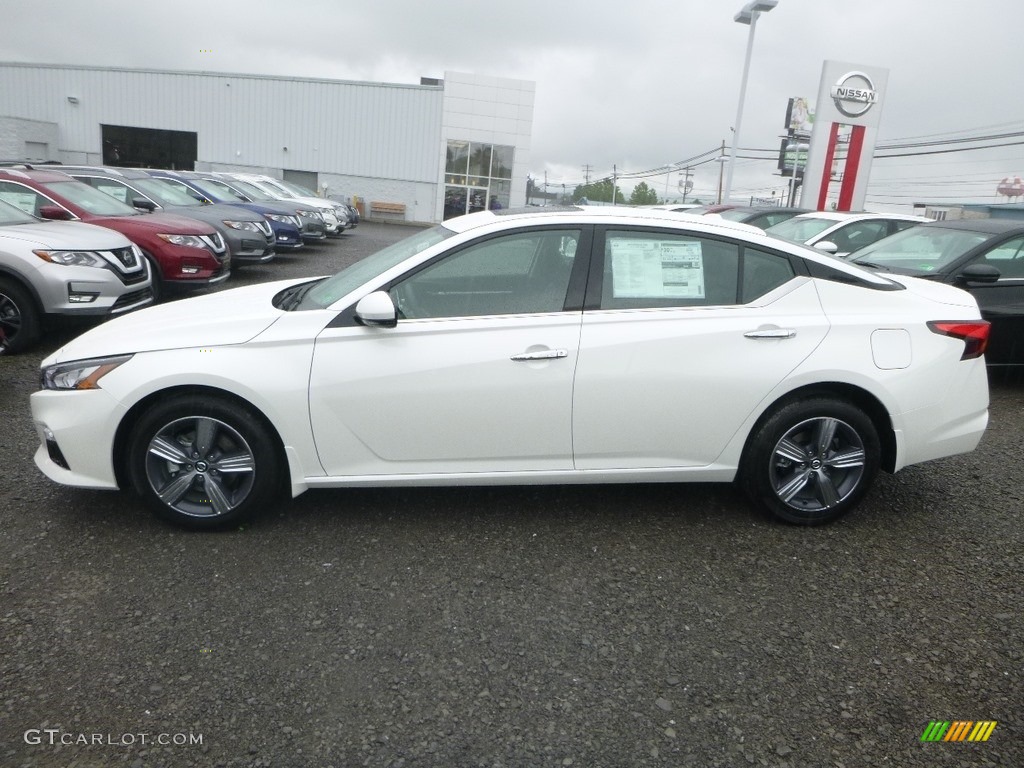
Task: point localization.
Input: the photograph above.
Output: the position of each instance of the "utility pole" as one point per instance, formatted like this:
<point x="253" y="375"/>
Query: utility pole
<point x="615" y="176"/>
<point x="721" y="168"/>
<point x="686" y="182"/>
<point x="586" y="174"/>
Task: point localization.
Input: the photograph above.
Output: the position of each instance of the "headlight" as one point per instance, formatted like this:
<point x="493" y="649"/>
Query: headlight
<point x="71" y="258"/>
<point x="310" y="214"/>
<point x="81" y="374"/>
<point x="190" y="241"/>
<point x="248" y="226"/>
<point x="280" y="218"/>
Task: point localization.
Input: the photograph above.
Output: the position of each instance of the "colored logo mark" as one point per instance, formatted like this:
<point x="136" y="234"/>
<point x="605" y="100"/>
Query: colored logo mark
<point x="958" y="730"/>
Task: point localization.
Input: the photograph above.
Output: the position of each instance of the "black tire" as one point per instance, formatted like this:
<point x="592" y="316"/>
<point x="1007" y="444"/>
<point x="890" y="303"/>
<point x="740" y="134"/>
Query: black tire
<point x="811" y="461"/>
<point x="157" y="278"/>
<point x="20" y="324"/>
<point x="202" y="462"/>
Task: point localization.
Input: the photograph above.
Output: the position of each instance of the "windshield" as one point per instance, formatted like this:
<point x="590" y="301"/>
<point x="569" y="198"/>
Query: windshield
<point x="355" y="275"/>
<point x="736" y="214"/>
<point x="800" y="229"/>
<point x="251" y="191"/>
<point x="11" y="215"/>
<point x="920" y="250"/>
<point x="216" y="191"/>
<point x="296" y="189"/>
<point x="90" y="199"/>
<point x="164" y="193"/>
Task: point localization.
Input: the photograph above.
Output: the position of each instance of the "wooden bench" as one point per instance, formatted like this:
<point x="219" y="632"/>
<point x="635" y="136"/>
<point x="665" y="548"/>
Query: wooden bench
<point x="397" y="209"/>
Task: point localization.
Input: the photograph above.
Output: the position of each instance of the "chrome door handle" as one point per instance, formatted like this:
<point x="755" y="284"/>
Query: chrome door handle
<point x="547" y="354"/>
<point x="771" y="333"/>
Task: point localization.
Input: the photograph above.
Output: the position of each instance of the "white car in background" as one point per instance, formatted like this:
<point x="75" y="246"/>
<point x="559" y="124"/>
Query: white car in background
<point x="334" y="216"/>
<point x="63" y="268"/>
<point x="842" y="233"/>
<point x="576" y="345"/>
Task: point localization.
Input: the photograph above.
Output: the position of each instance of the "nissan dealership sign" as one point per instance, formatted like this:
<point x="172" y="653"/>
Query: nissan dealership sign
<point x="854" y="94"/>
<point x="849" y="108"/>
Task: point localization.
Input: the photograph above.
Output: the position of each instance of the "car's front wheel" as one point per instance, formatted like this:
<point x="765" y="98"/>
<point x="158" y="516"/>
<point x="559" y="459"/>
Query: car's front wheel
<point x="812" y="460"/>
<point x="202" y="462"/>
<point x="19" y="319"/>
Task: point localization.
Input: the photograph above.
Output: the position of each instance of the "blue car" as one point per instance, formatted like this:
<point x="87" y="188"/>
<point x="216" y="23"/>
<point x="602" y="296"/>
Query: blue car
<point x="283" y="218"/>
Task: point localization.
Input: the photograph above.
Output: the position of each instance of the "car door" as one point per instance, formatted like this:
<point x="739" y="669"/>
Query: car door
<point x="477" y="375"/>
<point x="1002" y="302"/>
<point x="683" y="335"/>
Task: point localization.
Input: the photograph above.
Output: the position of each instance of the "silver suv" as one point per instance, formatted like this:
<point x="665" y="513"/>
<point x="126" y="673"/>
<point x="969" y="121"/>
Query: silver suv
<point x="63" y="268"/>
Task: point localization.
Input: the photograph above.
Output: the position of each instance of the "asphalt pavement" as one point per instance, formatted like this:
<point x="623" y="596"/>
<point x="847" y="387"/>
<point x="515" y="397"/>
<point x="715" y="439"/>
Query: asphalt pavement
<point x="625" y="625"/>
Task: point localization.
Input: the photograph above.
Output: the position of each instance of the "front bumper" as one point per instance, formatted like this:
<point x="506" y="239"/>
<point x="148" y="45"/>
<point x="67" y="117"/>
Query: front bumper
<point x="76" y="429"/>
<point x="90" y="291"/>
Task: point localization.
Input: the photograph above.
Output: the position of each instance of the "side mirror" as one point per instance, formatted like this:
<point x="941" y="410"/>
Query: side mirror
<point x="54" y="213"/>
<point x="978" y="273"/>
<point x="827" y="246"/>
<point x="143" y="204"/>
<point x="377" y="311"/>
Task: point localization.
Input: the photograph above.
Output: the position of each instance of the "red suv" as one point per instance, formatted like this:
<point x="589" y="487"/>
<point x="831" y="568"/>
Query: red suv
<point x="183" y="252"/>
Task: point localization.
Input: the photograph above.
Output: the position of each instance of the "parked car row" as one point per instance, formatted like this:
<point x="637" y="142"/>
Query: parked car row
<point x="175" y="230"/>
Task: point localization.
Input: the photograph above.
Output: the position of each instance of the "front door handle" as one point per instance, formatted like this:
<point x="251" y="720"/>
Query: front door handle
<point x="771" y="333"/>
<point x="546" y="354"/>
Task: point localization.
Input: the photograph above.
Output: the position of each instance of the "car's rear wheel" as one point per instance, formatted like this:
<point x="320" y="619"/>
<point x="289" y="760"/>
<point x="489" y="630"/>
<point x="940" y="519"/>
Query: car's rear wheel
<point x="812" y="460"/>
<point x="202" y="462"/>
<point x="19" y="318"/>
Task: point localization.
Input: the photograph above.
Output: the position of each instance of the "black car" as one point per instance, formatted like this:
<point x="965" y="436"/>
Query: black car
<point x="982" y="256"/>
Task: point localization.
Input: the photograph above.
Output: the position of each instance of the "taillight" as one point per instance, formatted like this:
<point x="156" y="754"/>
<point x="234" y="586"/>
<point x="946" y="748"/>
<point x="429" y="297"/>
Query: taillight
<point x="974" y="334"/>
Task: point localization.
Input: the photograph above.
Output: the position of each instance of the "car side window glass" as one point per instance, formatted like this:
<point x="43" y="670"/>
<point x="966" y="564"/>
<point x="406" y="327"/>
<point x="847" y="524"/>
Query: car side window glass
<point x="859" y="234"/>
<point x="21" y="197"/>
<point x="658" y="269"/>
<point x="523" y="273"/>
<point x="763" y="272"/>
<point x="1008" y="258"/>
<point x="899" y="226"/>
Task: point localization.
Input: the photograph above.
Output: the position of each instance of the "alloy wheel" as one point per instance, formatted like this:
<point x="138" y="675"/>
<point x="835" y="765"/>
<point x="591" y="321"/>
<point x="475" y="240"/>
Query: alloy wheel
<point x="200" y="466"/>
<point x="817" y="464"/>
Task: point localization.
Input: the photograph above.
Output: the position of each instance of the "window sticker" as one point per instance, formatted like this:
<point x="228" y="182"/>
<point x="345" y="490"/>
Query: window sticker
<point x="664" y="269"/>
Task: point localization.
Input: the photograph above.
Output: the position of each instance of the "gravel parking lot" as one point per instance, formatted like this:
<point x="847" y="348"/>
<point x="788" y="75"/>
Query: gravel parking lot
<point x="644" y="625"/>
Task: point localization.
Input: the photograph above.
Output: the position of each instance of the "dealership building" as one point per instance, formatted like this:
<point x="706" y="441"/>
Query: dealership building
<point x="422" y="152"/>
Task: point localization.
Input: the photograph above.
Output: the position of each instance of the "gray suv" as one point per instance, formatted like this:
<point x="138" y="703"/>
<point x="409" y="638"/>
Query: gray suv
<point x="63" y="268"/>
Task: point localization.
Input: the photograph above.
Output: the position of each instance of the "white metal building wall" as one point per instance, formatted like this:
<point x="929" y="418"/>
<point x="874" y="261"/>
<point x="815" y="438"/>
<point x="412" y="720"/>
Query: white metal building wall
<point x="379" y="141"/>
<point x="364" y="129"/>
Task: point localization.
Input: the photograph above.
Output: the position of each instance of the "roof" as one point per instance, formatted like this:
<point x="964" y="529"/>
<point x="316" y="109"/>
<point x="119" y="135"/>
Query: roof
<point x="988" y="226"/>
<point x="848" y="215"/>
<point x="34" y="174"/>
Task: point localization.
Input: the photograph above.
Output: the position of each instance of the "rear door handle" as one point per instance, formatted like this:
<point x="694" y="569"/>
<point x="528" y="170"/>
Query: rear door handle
<point x="771" y="333"/>
<point x="546" y="354"/>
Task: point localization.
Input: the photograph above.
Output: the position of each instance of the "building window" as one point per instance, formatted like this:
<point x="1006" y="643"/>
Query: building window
<point x="477" y="177"/>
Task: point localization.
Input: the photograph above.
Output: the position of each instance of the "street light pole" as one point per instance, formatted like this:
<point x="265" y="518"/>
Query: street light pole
<point x="748" y="15"/>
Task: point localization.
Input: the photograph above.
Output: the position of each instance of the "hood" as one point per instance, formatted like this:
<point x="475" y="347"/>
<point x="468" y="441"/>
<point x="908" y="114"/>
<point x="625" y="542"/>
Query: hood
<point x="215" y="212"/>
<point x="316" y="202"/>
<point x="217" y="319"/>
<point x="65" y="235"/>
<point x="165" y="223"/>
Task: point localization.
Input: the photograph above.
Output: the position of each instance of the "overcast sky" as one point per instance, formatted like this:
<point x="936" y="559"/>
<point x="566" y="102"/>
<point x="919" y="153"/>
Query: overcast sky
<point x="633" y="85"/>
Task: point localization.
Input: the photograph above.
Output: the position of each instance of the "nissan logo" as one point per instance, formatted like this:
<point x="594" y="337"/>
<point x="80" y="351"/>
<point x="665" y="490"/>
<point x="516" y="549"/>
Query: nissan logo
<point x="854" y="93"/>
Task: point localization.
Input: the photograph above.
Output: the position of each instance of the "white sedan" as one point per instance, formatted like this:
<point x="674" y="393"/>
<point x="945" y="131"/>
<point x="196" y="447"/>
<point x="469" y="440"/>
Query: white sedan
<point x="841" y="233"/>
<point x="562" y="345"/>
